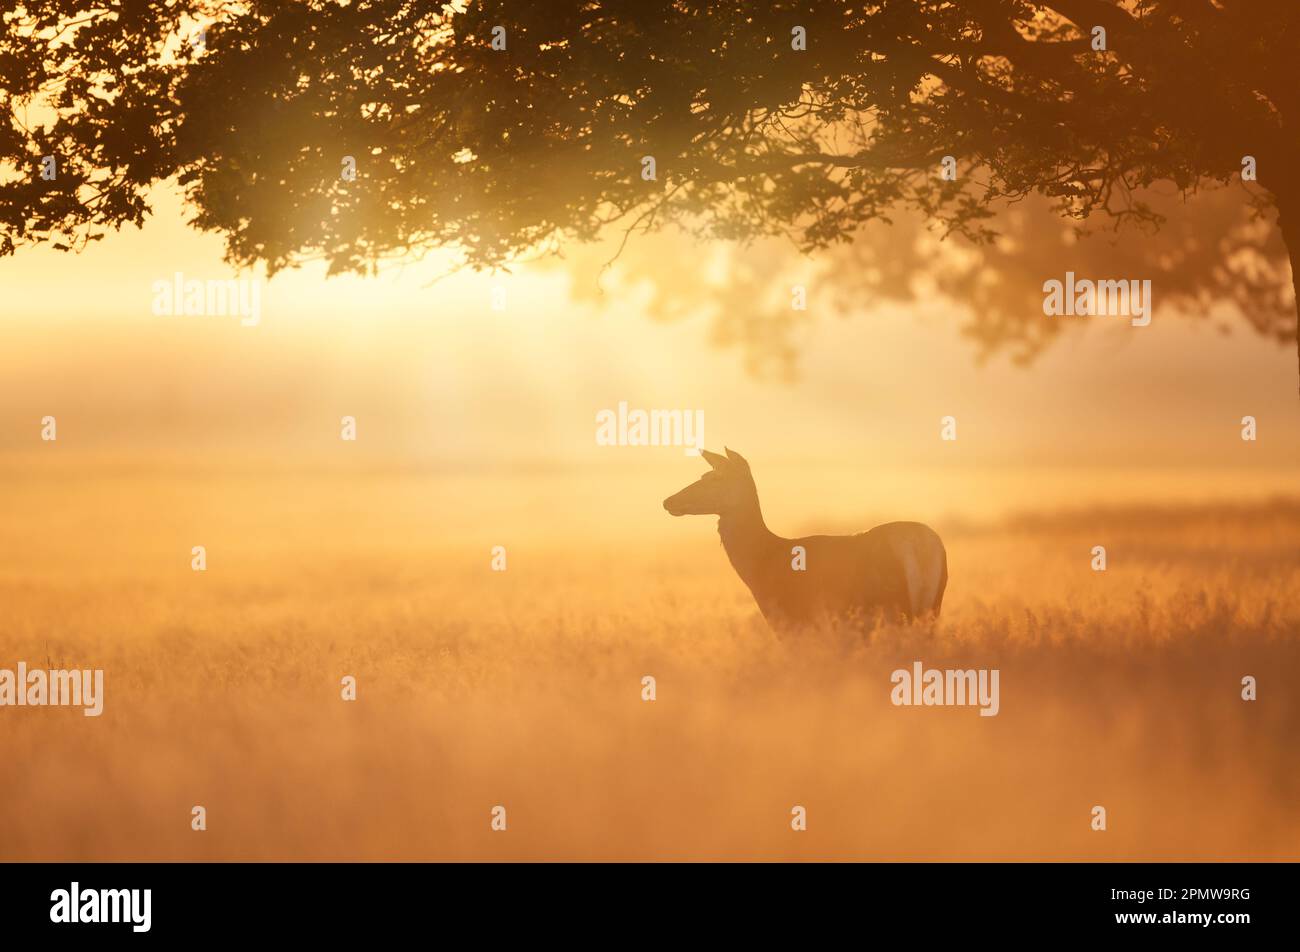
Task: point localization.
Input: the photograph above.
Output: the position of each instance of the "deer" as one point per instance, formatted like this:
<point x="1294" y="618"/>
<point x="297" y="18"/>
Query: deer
<point x="897" y="571"/>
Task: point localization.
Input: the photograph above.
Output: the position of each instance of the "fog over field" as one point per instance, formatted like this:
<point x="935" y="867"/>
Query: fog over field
<point x="523" y="688"/>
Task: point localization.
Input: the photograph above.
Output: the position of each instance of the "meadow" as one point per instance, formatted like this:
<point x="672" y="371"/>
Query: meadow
<point x="523" y="688"/>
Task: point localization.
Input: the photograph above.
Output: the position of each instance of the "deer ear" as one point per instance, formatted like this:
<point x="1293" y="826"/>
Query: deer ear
<point x="713" y="459"/>
<point x="737" y="458"/>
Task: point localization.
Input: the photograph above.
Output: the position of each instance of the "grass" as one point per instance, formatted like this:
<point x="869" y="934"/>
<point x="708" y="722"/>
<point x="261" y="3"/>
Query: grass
<point x="523" y="688"/>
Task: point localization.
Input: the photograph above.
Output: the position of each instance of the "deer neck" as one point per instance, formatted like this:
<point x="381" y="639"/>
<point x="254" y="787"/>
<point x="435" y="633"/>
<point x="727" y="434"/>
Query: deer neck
<point x="747" y="541"/>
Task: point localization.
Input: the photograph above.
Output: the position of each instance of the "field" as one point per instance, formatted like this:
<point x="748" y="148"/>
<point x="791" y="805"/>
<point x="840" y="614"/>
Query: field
<point x="523" y="688"/>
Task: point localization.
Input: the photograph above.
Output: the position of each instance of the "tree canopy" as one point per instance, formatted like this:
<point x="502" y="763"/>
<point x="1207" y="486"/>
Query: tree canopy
<point x="499" y="128"/>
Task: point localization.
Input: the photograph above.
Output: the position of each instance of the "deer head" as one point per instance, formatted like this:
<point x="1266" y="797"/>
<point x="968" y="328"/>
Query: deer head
<point x="728" y="488"/>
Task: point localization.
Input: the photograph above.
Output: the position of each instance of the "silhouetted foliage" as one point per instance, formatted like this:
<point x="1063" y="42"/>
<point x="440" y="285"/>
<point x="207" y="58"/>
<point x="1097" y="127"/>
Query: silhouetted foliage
<point x="500" y="152"/>
<point x="1213" y="250"/>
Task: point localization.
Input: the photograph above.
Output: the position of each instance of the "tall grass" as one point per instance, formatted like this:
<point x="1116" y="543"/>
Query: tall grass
<point x="523" y="688"/>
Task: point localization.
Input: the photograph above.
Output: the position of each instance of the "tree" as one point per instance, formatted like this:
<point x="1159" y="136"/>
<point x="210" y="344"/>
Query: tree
<point x="502" y="127"/>
<point x="1213" y="249"/>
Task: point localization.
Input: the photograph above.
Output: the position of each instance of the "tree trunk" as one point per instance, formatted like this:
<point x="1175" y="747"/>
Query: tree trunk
<point x="1289" y="219"/>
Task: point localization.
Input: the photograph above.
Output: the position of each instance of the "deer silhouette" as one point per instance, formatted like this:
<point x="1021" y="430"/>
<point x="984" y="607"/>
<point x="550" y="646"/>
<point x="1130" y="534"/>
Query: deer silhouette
<point x="898" y="570"/>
